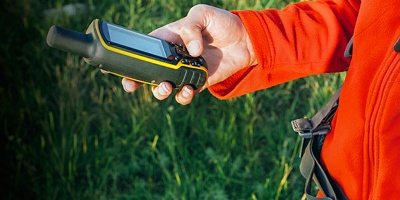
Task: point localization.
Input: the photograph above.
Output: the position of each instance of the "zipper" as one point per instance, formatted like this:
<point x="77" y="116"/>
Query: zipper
<point x="380" y="93"/>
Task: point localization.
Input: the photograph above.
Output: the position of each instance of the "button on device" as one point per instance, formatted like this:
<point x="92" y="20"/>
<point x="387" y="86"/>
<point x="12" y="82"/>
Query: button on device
<point x="194" y="63"/>
<point x="181" y="50"/>
<point x="200" y="60"/>
<point x="185" y="61"/>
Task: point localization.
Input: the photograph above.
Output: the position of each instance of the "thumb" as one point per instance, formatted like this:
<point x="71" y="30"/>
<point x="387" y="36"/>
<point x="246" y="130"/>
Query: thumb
<point x="192" y="28"/>
<point x="195" y="47"/>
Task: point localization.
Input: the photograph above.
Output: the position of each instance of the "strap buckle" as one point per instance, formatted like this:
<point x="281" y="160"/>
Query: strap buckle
<point x="306" y="130"/>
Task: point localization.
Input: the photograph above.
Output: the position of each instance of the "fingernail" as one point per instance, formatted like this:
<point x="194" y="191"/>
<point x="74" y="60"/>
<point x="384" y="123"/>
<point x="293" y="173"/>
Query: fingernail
<point x="193" y="47"/>
<point x="128" y="87"/>
<point x="162" y="89"/>
<point x="186" y="92"/>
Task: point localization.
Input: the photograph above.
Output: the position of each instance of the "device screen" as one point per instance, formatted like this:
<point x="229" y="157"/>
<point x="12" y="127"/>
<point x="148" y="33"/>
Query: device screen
<point x="133" y="40"/>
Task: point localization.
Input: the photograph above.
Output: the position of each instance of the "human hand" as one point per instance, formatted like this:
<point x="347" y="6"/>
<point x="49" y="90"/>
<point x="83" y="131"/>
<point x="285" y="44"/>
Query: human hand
<point x="216" y="34"/>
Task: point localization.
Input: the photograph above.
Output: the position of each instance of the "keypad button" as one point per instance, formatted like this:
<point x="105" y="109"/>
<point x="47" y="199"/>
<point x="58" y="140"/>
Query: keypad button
<point x="193" y="63"/>
<point x="185" y="61"/>
<point x="200" y="61"/>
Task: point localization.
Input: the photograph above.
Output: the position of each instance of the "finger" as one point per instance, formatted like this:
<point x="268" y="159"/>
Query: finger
<point x="130" y="85"/>
<point x="168" y="33"/>
<point x="162" y="91"/>
<point x="185" y="96"/>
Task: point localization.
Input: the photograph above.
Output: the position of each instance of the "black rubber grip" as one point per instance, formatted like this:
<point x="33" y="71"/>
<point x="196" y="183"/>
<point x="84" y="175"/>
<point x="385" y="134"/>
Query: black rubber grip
<point x="70" y="41"/>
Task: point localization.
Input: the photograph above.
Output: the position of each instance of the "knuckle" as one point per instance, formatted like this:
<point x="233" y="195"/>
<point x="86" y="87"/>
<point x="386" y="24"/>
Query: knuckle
<point x="199" y="8"/>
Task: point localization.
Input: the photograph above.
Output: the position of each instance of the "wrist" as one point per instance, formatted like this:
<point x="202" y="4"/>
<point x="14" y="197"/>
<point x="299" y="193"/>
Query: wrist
<point x="252" y="55"/>
<point x="246" y="41"/>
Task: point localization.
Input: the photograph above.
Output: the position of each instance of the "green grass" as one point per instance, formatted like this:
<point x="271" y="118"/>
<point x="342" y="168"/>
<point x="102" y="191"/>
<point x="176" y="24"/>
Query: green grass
<point x="70" y="132"/>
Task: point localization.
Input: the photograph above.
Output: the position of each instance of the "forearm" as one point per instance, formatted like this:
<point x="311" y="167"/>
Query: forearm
<point x="303" y="39"/>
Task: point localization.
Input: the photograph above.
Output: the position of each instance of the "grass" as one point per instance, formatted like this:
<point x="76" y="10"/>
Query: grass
<point x="71" y="132"/>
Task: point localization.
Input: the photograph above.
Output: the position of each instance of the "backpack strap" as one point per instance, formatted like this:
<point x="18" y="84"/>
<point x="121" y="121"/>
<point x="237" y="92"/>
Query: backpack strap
<point x="313" y="133"/>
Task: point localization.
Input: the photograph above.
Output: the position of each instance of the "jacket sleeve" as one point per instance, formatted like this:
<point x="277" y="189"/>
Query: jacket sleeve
<point x="304" y="38"/>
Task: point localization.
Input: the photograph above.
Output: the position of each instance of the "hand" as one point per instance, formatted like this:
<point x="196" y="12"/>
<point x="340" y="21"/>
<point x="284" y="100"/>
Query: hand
<point x="216" y="34"/>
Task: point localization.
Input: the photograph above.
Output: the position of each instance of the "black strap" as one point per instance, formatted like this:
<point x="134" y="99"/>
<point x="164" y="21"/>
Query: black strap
<point x="313" y="132"/>
<point x="309" y="169"/>
<point x="397" y="46"/>
<point x="348" y="52"/>
<point x="312" y="170"/>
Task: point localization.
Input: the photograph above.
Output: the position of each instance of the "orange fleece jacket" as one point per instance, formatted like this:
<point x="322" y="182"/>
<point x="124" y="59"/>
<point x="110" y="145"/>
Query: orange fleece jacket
<point x="362" y="152"/>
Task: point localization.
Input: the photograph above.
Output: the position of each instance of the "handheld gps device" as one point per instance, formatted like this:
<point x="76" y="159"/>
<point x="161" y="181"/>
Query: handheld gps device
<point x="130" y="54"/>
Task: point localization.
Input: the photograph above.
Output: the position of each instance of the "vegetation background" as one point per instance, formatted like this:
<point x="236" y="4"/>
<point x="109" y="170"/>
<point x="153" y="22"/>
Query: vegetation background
<point x="70" y="132"/>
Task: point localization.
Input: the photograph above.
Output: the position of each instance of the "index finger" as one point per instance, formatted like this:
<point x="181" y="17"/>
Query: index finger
<point x="130" y="85"/>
